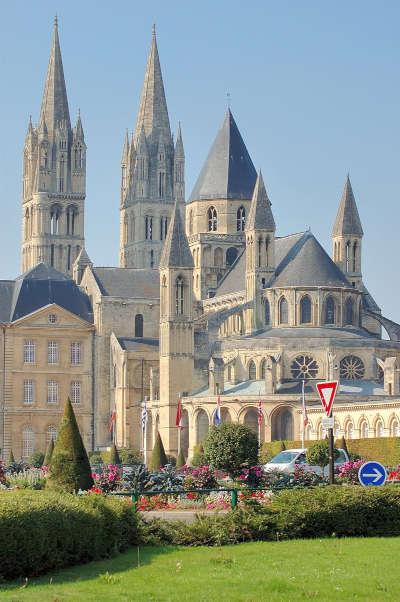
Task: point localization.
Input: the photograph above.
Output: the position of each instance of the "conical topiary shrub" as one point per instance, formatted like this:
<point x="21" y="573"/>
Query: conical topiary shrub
<point x="11" y="459"/>
<point x="341" y="444"/>
<point x="180" y="461"/>
<point x="70" y="469"/>
<point x="49" y="453"/>
<point x="282" y="446"/>
<point x="198" y="458"/>
<point x="114" y="455"/>
<point x="158" y="458"/>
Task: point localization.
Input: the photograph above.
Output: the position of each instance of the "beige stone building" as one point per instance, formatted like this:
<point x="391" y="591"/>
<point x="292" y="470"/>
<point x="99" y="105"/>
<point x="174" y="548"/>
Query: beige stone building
<point x="208" y="302"/>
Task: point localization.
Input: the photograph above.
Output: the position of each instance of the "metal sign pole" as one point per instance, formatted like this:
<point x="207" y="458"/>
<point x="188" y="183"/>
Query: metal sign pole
<point x="331" y="456"/>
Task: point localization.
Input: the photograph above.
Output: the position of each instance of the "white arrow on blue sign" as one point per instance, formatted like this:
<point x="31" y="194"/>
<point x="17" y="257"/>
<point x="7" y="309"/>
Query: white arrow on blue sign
<point x="372" y="473"/>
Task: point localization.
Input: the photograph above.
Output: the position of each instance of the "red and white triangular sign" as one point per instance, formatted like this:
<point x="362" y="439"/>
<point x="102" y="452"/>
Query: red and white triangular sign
<point x="327" y="392"/>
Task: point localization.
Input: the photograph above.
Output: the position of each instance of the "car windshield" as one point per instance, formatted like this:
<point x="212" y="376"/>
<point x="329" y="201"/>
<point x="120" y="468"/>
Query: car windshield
<point x="284" y="457"/>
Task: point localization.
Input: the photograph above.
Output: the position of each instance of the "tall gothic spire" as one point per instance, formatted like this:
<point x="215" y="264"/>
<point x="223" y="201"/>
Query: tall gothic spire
<point x="153" y="112"/>
<point x="55" y="102"/>
<point x="347" y="219"/>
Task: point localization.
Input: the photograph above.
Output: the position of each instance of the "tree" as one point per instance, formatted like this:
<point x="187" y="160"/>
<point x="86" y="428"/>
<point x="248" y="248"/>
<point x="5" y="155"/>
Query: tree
<point x="49" y="453"/>
<point x="282" y="446"/>
<point x="11" y="459"/>
<point x="198" y="455"/>
<point x="70" y="469"/>
<point x="230" y="446"/>
<point x="158" y="458"/>
<point x="341" y="444"/>
<point x="114" y="455"/>
<point x="36" y="459"/>
<point x="180" y="461"/>
<point x="318" y="454"/>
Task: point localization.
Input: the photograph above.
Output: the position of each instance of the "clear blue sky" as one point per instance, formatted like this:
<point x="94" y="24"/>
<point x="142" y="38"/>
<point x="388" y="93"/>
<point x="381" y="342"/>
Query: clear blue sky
<point x="314" y="89"/>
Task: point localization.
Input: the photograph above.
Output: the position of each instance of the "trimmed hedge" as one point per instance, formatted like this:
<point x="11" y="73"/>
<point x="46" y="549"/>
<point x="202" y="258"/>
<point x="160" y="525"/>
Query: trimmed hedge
<point x="301" y="513"/>
<point x="41" y="531"/>
<point x="382" y="449"/>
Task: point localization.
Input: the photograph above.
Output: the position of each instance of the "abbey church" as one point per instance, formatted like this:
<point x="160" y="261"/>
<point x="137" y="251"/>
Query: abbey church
<point x="207" y="302"/>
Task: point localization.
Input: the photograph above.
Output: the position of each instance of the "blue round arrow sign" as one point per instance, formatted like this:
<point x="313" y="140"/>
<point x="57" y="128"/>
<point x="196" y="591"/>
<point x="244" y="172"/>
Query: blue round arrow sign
<point x="372" y="473"/>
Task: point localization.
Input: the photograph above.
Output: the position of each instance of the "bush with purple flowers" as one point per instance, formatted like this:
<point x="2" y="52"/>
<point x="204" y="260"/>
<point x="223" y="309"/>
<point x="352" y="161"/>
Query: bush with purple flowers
<point x="348" y="472"/>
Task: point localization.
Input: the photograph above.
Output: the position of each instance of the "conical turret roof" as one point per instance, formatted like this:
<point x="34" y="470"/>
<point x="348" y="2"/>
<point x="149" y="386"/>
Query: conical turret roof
<point x="55" y="102"/>
<point x="260" y="215"/>
<point x="347" y="220"/>
<point x="176" y="252"/>
<point x="228" y="172"/>
<point x="153" y="111"/>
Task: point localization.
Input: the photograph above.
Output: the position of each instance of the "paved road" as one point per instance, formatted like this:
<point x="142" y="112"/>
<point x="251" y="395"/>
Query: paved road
<point x="188" y="516"/>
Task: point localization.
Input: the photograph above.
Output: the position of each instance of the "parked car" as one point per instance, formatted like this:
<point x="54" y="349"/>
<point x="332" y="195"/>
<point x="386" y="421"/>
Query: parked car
<point x="290" y="459"/>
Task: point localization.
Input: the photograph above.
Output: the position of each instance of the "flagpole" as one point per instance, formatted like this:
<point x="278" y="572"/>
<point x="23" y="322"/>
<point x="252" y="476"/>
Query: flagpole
<point x="303" y="402"/>
<point x="145" y="433"/>
<point x="259" y="418"/>
<point x="179" y="426"/>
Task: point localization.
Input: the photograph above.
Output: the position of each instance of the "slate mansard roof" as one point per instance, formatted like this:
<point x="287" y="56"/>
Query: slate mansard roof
<point x="39" y="287"/>
<point x="300" y="261"/>
<point x="228" y="172"/>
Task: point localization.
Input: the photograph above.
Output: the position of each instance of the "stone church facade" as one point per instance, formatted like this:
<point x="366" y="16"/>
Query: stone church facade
<point x="208" y="301"/>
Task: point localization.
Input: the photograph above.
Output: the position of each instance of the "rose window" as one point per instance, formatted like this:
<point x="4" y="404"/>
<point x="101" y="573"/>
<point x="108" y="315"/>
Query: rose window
<point x="351" y="368"/>
<point x="304" y="367"/>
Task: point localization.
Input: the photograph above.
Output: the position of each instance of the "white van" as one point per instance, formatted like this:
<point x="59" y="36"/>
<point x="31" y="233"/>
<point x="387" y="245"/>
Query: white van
<point x="290" y="459"/>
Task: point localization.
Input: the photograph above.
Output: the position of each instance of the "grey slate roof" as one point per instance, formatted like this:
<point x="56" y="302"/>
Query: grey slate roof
<point x="228" y="172"/>
<point x="347" y="219"/>
<point x="260" y="214"/>
<point x="308" y="264"/>
<point x="176" y="252"/>
<point x="138" y="343"/>
<point x="128" y="283"/>
<point x="41" y="286"/>
<point x="55" y="102"/>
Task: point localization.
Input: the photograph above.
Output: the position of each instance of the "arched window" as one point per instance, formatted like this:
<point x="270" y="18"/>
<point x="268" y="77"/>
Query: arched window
<point x="355" y="256"/>
<point x="348" y="256"/>
<point x="51" y="433"/>
<point x="267" y="312"/>
<point x="263" y="368"/>
<point x="164" y="294"/>
<point x="252" y="370"/>
<point x="202" y="425"/>
<point x="349" y="311"/>
<point x="395" y="428"/>
<point x="28" y="441"/>
<point x="251" y="420"/>
<point x="283" y="311"/>
<point x="52" y="255"/>
<point x="267" y="251"/>
<point x="55" y="213"/>
<point x="179" y="296"/>
<point x="329" y="311"/>
<point x="148" y="227"/>
<point x="379" y="428"/>
<point x="363" y="429"/>
<point x="138" y="325"/>
<point x="72" y="213"/>
<point x="259" y="251"/>
<point x="349" y="430"/>
<point x="68" y="257"/>
<point x="212" y="219"/>
<point x="240" y="219"/>
<point x="305" y="310"/>
<point x="191" y="221"/>
<point x="231" y="255"/>
<point x="152" y="258"/>
<point x="218" y="257"/>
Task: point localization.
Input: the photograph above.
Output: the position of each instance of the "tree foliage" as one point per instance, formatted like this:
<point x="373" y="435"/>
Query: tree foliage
<point x="49" y="453"/>
<point x="36" y="459"/>
<point x="230" y="447"/>
<point x="158" y="457"/>
<point x="318" y="454"/>
<point x="70" y="469"/>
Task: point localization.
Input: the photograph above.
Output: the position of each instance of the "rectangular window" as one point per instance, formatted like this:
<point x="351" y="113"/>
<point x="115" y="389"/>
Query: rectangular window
<point x="28" y="442"/>
<point x="52" y="352"/>
<point x="52" y="391"/>
<point x="29" y="391"/>
<point x="29" y="352"/>
<point x="75" y="391"/>
<point x="76" y="353"/>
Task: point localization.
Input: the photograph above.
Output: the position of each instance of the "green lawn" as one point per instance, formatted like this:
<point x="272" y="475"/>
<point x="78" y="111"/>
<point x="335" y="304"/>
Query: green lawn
<point x="334" y="569"/>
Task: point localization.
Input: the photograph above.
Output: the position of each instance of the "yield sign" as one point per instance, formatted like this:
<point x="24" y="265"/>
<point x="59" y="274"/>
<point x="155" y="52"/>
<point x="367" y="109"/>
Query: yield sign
<point x="327" y="392"/>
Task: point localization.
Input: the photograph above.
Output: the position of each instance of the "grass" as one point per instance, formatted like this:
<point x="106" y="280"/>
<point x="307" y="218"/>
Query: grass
<point x="328" y="569"/>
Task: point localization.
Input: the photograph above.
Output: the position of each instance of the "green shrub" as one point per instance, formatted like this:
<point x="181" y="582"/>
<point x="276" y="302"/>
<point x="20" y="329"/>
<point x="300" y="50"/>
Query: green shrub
<point x="198" y="455"/>
<point x="96" y="457"/>
<point x="132" y="457"/>
<point x="318" y="454"/>
<point x="114" y="456"/>
<point x="180" y="461"/>
<point x="36" y="459"/>
<point x="43" y="530"/>
<point x="158" y="458"/>
<point x="230" y="447"/>
<point x="70" y="469"/>
<point x="49" y="453"/>
<point x="11" y="459"/>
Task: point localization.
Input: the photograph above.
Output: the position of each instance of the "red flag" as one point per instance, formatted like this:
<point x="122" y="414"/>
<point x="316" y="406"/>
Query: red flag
<point x="112" y="420"/>
<point x="178" y="420"/>
<point x="260" y="413"/>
